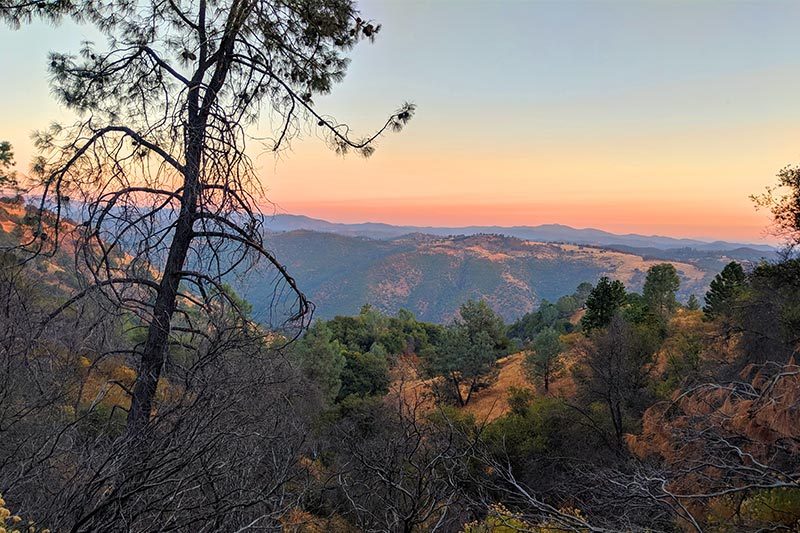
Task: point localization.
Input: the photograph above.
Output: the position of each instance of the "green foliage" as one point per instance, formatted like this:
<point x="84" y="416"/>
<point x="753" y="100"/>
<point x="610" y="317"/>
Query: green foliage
<point x="724" y="289"/>
<point x="358" y="408"/>
<point x="550" y="316"/>
<point x="536" y="428"/>
<point x="482" y="324"/>
<point x="773" y="507"/>
<point x="7" y="176"/>
<point x="692" y="304"/>
<point x="460" y="360"/>
<point x="232" y="298"/>
<point x="660" y="286"/>
<point x="321" y="359"/>
<point x="468" y="351"/>
<point x="566" y="305"/>
<point x="520" y="399"/>
<point x="603" y="302"/>
<point x="401" y="334"/>
<point x="351" y="356"/>
<point x="365" y="374"/>
<point x="542" y="360"/>
<point x="683" y="351"/>
<point x="498" y="520"/>
<point x="636" y="309"/>
<point x="582" y="293"/>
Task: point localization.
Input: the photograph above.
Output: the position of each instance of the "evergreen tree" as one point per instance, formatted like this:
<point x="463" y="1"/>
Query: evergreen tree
<point x="321" y="359"/>
<point x="602" y="303"/>
<point x="660" y="286"/>
<point x="469" y="350"/>
<point x="479" y="319"/>
<point x="582" y="292"/>
<point x="158" y="151"/>
<point x="7" y="176"/>
<point x="692" y="304"/>
<point x="543" y="361"/>
<point x="724" y="289"/>
<point x="365" y="374"/>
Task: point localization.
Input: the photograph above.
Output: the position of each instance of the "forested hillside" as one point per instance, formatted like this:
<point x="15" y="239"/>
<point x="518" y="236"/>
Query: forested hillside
<point x="431" y="276"/>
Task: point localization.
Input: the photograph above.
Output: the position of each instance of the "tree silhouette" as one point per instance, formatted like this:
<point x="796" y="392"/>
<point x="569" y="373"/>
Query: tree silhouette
<point x="783" y="201"/>
<point x="169" y="198"/>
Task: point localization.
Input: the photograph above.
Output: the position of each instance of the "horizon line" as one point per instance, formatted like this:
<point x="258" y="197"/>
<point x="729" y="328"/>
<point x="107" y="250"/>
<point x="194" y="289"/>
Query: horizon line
<point x="703" y="240"/>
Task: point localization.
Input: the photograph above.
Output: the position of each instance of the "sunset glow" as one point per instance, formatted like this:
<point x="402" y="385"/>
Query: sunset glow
<point x="663" y="117"/>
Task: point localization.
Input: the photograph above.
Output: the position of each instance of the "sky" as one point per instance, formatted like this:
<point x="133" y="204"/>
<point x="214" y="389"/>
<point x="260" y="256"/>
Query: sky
<point x="634" y="117"/>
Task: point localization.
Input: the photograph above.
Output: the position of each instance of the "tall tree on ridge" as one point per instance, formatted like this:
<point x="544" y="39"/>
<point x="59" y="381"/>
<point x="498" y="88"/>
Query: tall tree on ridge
<point x="543" y="361"/>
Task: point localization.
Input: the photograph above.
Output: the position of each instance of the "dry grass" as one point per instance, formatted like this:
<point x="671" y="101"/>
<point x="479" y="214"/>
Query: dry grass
<point x="492" y="402"/>
<point x="487" y="404"/>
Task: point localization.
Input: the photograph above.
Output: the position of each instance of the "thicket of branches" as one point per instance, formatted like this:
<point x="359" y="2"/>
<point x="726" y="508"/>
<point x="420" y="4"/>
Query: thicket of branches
<point x="156" y="170"/>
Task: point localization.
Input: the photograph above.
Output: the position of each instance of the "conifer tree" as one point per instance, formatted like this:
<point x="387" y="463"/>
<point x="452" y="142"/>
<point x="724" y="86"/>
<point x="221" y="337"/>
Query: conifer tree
<point x="604" y="300"/>
<point x="724" y="289"/>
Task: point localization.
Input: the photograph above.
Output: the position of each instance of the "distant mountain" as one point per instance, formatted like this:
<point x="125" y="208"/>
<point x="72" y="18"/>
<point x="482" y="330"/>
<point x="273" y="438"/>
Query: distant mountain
<point x="432" y="275"/>
<point x="542" y="233"/>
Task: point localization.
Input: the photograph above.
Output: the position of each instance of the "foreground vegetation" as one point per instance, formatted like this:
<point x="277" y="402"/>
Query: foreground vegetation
<point x="636" y="412"/>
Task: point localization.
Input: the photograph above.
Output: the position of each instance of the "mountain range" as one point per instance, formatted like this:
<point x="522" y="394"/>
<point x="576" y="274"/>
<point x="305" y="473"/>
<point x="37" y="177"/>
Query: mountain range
<point x="541" y="233"/>
<point x="431" y="275"/>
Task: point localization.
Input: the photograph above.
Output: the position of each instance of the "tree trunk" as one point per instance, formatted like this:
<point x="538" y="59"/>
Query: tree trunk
<point x="198" y="111"/>
<point x="157" y="344"/>
<point x="616" y="419"/>
<point x="469" y="391"/>
<point x="457" y="387"/>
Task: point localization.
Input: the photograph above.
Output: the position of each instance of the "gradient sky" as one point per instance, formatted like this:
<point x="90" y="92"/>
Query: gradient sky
<point x="647" y="117"/>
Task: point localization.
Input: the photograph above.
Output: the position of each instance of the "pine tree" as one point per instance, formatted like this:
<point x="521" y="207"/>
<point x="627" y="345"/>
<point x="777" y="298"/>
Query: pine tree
<point x="659" y="290"/>
<point x="602" y="303"/>
<point x="543" y="361"/>
<point x="7" y="175"/>
<point x="724" y="289"/>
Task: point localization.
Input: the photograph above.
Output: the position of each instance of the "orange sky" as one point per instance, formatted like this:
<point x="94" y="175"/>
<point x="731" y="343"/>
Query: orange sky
<point x="692" y="184"/>
<point x="653" y="117"/>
